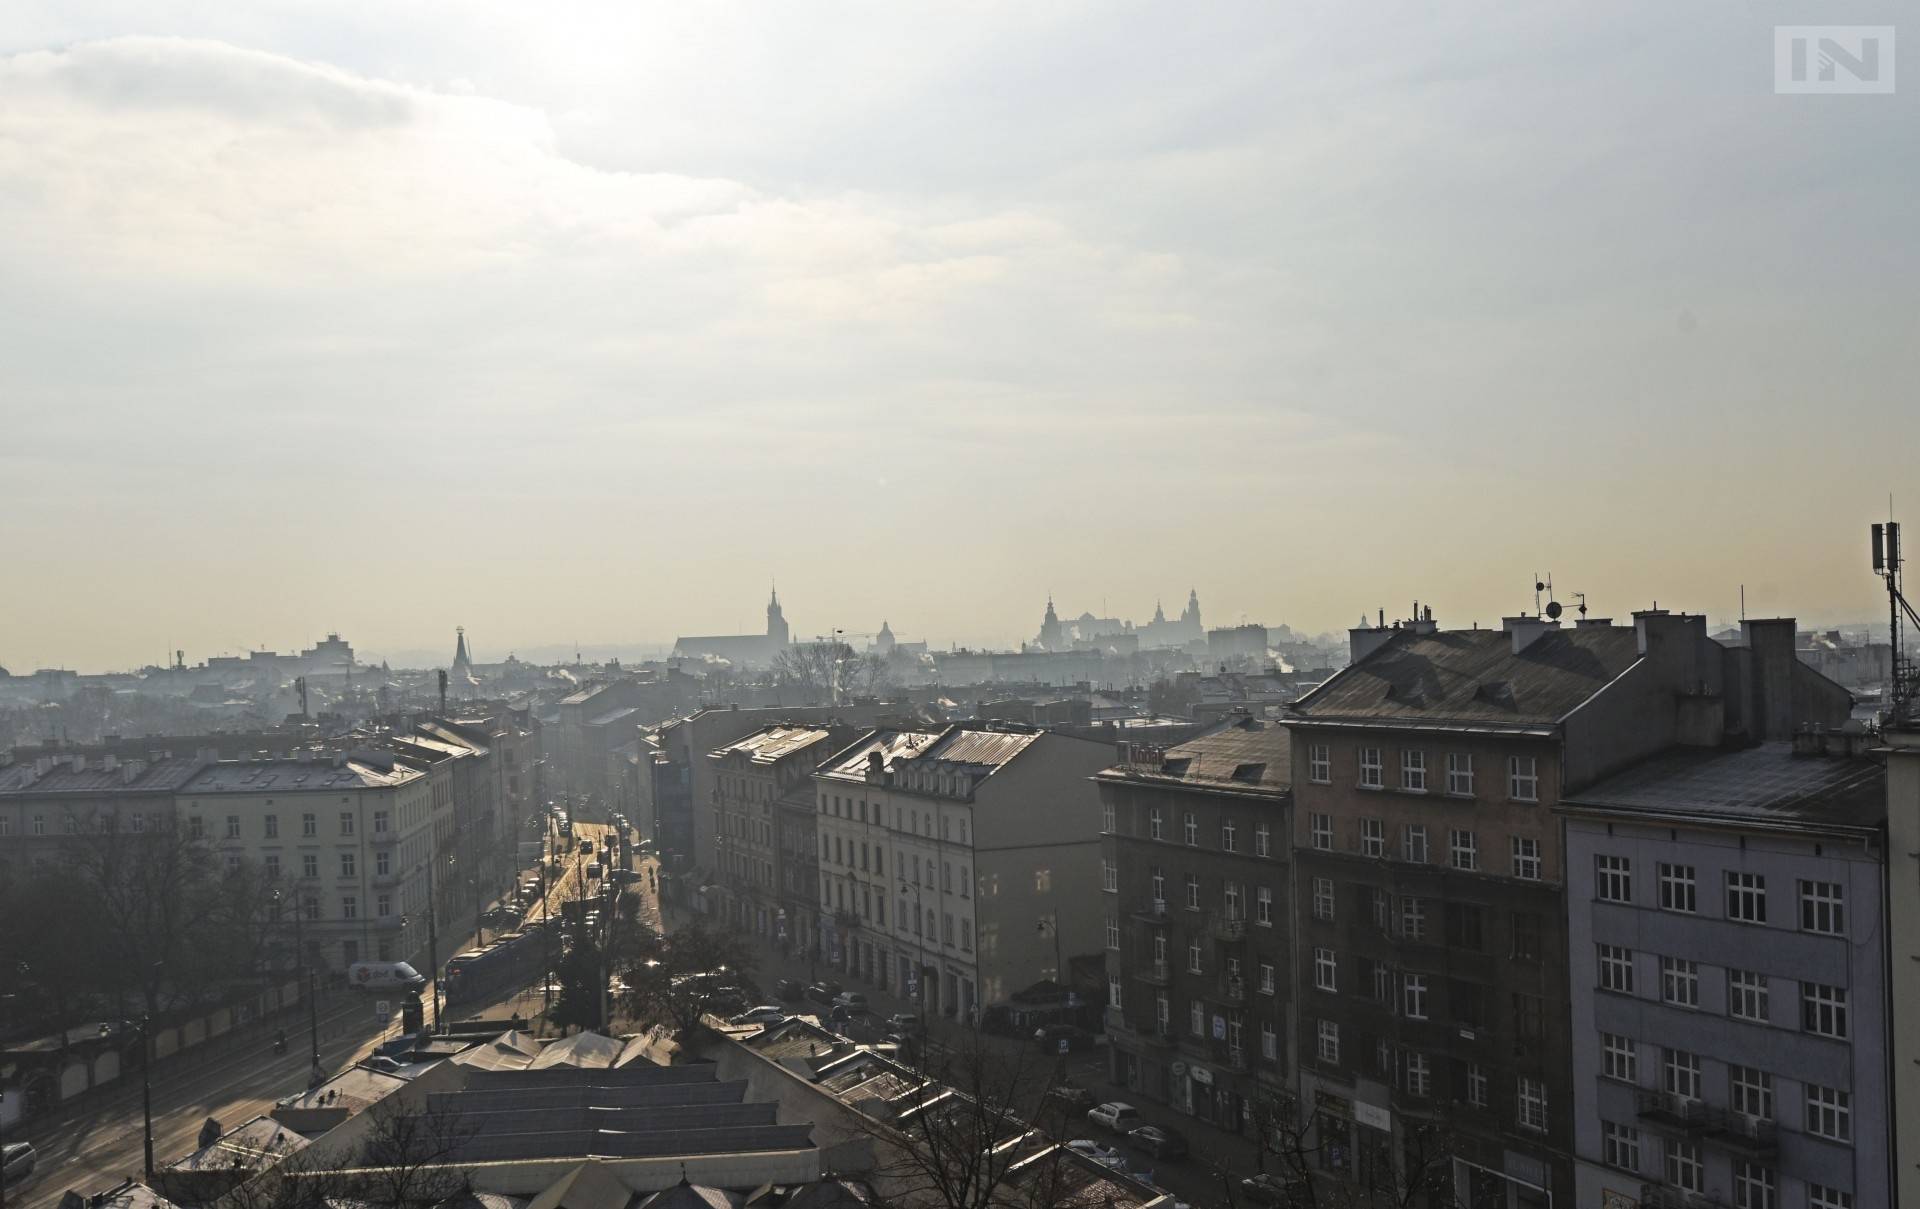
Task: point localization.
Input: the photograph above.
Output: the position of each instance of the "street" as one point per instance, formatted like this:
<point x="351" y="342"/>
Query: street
<point x="239" y="1077"/>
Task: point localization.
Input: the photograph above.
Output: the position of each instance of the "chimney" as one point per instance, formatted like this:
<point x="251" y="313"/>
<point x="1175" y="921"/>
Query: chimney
<point x="1593" y="623"/>
<point x="1770" y="640"/>
<point x="78" y="762"/>
<point x="1365" y="640"/>
<point x="1526" y="630"/>
<point x="1423" y="622"/>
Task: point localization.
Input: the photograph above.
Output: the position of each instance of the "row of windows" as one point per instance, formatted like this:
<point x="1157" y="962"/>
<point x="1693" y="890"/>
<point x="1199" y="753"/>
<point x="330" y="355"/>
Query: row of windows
<point x="1754" y="1186"/>
<point x="1414" y="845"/>
<point x="872" y="859"/>
<point x="1824" y="1009"/>
<point x="1233" y="895"/>
<point x="907" y="819"/>
<point x="1158" y="828"/>
<point x="1412" y="1072"/>
<point x="1523" y="772"/>
<point x="196" y="824"/>
<point x="1823" y="905"/>
<point x="836" y="894"/>
<point x="1828" y="1110"/>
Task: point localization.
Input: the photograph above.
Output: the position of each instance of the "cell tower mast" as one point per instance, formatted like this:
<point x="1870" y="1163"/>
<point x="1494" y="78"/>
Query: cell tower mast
<point x="1905" y="684"/>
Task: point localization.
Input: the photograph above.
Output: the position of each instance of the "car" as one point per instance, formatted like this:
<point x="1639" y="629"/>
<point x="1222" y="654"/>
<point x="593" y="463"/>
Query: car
<point x="766" y="1013"/>
<point x="586" y="846"/>
<point x="823" y="991"/>
<point x="1108" y="1156"/>
<point x="789" y="989"/>
<point x="843" y="1013"/>
<point x="1052" y="1037"/>
<point x="850" y="999"/>
<point x="1269" y="1189"/>
<point x="1076" y="1098"/>
<point x="904" y="1023"/>
<point x="594" y="871"/>
<point x="1158" y="1141"/>
<point x="17" y="1160"/>
<point x="1116" y="1115"/>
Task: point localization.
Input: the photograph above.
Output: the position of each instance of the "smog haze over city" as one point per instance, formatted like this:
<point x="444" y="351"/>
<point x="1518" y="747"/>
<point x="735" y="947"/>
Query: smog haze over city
<point x="583" y="324"/>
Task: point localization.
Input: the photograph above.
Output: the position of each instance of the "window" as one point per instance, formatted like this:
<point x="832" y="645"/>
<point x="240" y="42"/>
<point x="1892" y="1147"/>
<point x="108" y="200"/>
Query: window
<point x="1197" y="1018"/>
<point x="1620" y="1146"/>
<point x="1326" y="970"/>
<point x="1680" y="982"/>
<point x="1413" y="771"/>
<point x="1460" y="774"/>
<point x="1685" y="1171"/>
<point x="1466" y="927"/>
<point x="1750" y="1092"/>
<point x="1678" y="892"/>
<point x="1193" y="957"/>
<point x="1476" y="1085"/>
<point x="346" y="822"/>
<point x="1110" y="877"/>
<point x="1163" y="1013"/>
<point x="383" y="862"/>
<point x="1323" y="898"/>
<point x="1526" y="936"/>
<point x="1523" y="778"/>
<point x="1613" y="879"/>
<point x="1416" y="1073"/>
<point x="1329" y="1041"/>
<point x="1413" y="917"/>
<point x="1106" y="816"/>
<point x="1193" y="893"/>
<point x="1464" y="848"/>
<point x="1320" y="827"/>
<point x="1269" y="1041"/>
<point x="1747" y="996"/>
<point x="1829" y="1113"/>
<point x="272" y="823"/>
<point x="1680" y="1074"/>
<point x="1753" y="1186"/>
<point x="1229" y="836"/>
<point x="1526" y="858"/>
<point x="1113" y="933"/>
<point x="1616" y="969"/>
<point x="1413" y="996"/>
<point x="1822" y="908"/>
<point x="1373" y="838"/>
<point x="1158" y="881"/>
<point x="1266" y="978"/>
<point x="1156" y="824"/>
<point x="1746" y="897"/>
<point x="272" y="862"/>
<point x="1319" y="764"/>
<point x="1819" y="1196"/>
<point x="1262" y="840"/>
<point x="1532" y="1096"/>
<point x="309" y="824"/>
<point x="1115" y="991"/>
<point x="39" y="824"/>
<point x="349" y="907"/>
<point x="1370" y="768"/>
<point x="310" y="865"/>
<point x="1413" y="843"/>
<point x="1382" y="907"/>
<point x="1263" y="907"/>
<point x="194" y="826"/>
<point x="1823" y="1010"/>
<point x="383" y="905"/>
<point x="1190" y="827"/>
<point x="1619" y="1058"/>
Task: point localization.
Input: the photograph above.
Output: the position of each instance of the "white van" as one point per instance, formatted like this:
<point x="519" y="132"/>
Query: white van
<point x="383" y="976"/>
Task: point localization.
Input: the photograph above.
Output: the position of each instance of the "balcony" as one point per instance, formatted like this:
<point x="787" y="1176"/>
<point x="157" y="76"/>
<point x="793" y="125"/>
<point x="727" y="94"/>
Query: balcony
<point x="382" y="839"/>
<point x="1727" y="1130"/>
<point x="1673" y="1111"/>
<point x="1737" y="1131"/>
<point x="848" y="920"/>
<point x="1154" y="912"/>
<point x="1227" y="926"/>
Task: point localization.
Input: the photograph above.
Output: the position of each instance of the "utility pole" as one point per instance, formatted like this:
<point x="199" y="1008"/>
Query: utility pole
<point x="433" y="946"/>
<point x="146" y="1090"/>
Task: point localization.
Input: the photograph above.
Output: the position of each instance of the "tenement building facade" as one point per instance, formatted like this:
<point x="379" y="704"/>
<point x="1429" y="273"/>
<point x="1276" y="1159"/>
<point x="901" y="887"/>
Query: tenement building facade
<point x="1196" y="872"/>
<point x="750" y="776"/>
<point x="1433" y="967"/>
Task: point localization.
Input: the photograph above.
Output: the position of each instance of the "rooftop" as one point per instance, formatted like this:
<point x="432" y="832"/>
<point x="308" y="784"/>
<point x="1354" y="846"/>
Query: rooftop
<point x="980" y="748"/>
<point x="287" y="776"/>
<point x="1766" y="785"/>
<point x="48" y="774"/>
<point x="769" y="744"/>
<point x="1249" y="756"/>
<point x="1474" y="677"/>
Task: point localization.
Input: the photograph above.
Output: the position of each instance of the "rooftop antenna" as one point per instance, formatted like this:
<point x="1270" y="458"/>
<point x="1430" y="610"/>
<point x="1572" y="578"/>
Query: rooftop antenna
<point x="1583" y="605"/>
<point x="1553" y="609"/>
<point x="1743" y="602"/>
<point x="1905" y="679"/>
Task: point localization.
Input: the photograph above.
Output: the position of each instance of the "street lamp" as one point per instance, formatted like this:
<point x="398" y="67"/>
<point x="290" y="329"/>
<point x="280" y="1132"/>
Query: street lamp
<point x="919" y="943"/>
<point x="306" y="969"/>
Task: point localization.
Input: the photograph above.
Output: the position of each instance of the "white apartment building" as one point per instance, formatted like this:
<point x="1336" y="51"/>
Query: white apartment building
<point x="350" y="836"/>
<point x="961" y="866"/>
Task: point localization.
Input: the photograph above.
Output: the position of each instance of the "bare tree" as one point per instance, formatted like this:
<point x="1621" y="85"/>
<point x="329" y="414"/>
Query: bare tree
<point x="670" y="979"/>
<point x="1423" y="1175"/>
<point x="408" y="1158"/>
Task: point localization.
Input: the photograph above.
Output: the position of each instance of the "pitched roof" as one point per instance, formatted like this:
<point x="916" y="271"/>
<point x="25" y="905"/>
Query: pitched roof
<point x="771" y="743"/>
<point x="1474" y="677"/>
<point x="1764" y="786"/>
<point x="1249" y="756"/>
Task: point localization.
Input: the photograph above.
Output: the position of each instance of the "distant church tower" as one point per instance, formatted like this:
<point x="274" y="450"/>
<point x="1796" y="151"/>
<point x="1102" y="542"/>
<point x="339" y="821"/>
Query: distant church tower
<point x="776" y="621"/>
<point x="1192" y="612"/>
<point x="883" y="642"/>
<point x="462" y="672"/>
<point x="1050" y="627"/>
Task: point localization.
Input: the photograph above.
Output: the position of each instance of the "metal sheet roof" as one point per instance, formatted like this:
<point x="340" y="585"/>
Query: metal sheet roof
<point x="1765" y="785"/>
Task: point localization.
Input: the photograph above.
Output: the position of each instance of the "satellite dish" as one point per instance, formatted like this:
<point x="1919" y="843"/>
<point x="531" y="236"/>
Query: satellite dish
<point x="1553" y="610"/>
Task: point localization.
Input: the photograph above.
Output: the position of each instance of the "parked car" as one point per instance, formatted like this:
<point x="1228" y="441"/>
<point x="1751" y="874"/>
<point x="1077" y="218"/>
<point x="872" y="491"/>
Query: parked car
<point x="1050" y="1037"/>
<point x="594" y="871"/>
<point x="17" y="1160"/>
<point x="1108" y="1156"/>
<point x="383" y="976"/>
<point x="823" y="991"/>
<point x="846" y="1014"/>
<point x="1078" y="1099"/>
<point x="789" y="989"/>
<point x="1116" y="1115"/>
<point x="904" y="1023"/>
<point x="1269" y="1189"/>
<point x="766" y="1013"/>
<point x="586" y="845"/>
<point x="1158" y="1141"/>
<point x="850" y="999"/>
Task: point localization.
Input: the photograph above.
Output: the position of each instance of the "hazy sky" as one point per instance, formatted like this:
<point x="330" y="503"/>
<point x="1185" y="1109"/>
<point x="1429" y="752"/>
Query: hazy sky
<point x="571" y="321"/>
